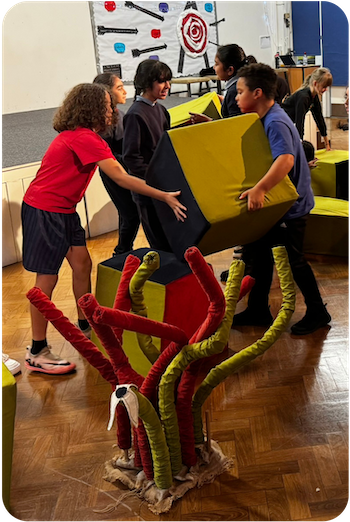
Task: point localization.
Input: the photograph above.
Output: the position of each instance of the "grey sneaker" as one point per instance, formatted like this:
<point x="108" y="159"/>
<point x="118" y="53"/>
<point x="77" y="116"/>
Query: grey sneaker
<point x="47" y="362"/>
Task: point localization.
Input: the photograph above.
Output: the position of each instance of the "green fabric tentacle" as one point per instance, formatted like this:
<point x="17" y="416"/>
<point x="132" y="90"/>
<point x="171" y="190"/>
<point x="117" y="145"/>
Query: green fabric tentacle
<point x="160" y="453"/>
<point x="215" y="344"/>
<point x="234" y="363"/>
<point x="149" y="265"/>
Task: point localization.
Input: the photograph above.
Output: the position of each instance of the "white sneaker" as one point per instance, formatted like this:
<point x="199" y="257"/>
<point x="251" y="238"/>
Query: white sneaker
<point x="86" y="332"/>
<point x="11" y="364"/>
<point x="47" y="362"/>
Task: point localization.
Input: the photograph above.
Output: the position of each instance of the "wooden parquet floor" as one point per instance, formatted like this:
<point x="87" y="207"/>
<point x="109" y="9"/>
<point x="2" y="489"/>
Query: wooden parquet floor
<point x="283" y="419"/>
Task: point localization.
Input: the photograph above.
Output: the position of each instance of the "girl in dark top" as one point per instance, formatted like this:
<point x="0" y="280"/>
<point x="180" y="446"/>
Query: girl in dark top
<point x="129" y="220"/>
<point x="308" y="98"/>
<point x="229" y="58"/>
<point x="144" y="124"/>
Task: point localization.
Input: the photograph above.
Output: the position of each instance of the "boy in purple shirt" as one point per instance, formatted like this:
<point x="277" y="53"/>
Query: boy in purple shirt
<point x="255" y="93"/>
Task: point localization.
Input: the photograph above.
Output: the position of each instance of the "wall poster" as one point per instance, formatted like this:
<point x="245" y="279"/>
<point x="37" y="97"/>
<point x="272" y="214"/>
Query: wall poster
<point x="181" y="34"/>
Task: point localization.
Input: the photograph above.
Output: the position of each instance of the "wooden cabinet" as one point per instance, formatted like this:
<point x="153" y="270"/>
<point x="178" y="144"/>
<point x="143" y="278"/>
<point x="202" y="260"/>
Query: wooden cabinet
<point x="295" y="76"/>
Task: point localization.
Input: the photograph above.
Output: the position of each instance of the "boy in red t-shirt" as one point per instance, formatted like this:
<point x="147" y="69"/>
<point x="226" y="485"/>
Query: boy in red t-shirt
<point x="51" y="225"/>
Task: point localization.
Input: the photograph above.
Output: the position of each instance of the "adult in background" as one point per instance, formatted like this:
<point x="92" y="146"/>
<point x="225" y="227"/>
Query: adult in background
<point x="308" y="97"/>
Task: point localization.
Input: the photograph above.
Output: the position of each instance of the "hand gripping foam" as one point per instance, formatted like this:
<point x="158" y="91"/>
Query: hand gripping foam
<point x="212" y="164"/>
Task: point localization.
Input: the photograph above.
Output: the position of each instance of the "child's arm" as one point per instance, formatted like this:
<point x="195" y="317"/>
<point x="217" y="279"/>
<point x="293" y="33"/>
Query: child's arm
<point x="115" y="171"/>
<point x="199" y="118"/>
<point x="278" y="170"/>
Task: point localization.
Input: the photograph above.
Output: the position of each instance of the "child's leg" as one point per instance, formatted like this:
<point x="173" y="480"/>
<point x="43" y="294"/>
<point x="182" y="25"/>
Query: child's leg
<point x="46" y="282"/>
<point x="302" y="271"/>
<point x="316" y="315"/>
<point x="80" y="261"/>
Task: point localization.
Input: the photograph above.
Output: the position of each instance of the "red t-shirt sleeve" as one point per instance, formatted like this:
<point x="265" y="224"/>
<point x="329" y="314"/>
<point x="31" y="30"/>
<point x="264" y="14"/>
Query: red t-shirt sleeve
<point x="91" y="148"/>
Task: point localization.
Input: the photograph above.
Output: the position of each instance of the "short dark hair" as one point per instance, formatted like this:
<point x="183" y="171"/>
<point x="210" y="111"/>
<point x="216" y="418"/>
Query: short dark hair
<point x="148" y="72"/>
<point x="309" y="150"/>
<point x="231" y="55"/>
<point x="260" y="76"/>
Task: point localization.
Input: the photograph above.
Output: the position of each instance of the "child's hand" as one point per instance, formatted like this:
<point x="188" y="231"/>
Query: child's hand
<point x="255" y="197"/>
<point x="199" y="118"/>
<point x="171" y="199"/>
<point x="313" y="163"/>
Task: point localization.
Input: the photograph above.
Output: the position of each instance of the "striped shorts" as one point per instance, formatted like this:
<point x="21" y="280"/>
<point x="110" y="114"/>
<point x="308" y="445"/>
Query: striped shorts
<point x="47" y="237"/>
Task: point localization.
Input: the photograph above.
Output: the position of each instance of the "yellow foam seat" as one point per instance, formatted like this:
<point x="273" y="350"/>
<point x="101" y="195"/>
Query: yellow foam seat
<point x="327" y="227"/>
<point x="9" y="393"/>
<point x="330" y="177"/>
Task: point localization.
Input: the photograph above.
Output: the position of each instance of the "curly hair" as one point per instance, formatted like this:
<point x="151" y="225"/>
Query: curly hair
<point x="84" y="106"/>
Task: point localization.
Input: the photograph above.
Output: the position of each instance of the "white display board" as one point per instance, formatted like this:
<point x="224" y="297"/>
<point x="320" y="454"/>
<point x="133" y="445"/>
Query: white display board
<point x="181" y="34"/>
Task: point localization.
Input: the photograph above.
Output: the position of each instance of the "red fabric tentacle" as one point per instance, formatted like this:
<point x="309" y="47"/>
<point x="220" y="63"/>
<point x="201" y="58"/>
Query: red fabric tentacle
<point x="142" y="325"/>
<point x="137" y="456"/>
<point x="72" y="334"/>
<point x="121" y="366"/>
<point x="145" y="450"/>
<point x="212" y="288"/>
<point x="122" y="299"/>
<point x="120" y="362"/>
<point x="123" y="427"/>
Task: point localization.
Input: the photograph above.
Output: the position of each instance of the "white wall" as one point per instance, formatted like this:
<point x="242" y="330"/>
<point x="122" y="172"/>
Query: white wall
<point x="245" y="22"/>
<point x="47" y="49"/>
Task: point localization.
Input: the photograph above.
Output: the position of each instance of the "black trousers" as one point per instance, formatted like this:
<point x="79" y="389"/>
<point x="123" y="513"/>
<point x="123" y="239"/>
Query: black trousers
<point x="259" y="264"/>
<point x="129" y="220"/>
<point x="150" y="223"/>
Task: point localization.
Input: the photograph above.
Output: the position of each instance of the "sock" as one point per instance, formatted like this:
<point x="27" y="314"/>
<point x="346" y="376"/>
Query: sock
<point x="83" y="324"/>
<point x="37" y="346"/>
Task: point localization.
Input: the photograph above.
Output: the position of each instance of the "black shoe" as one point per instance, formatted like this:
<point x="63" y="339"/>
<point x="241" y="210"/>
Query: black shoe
<point x="311" y="322"/>
<point x="224" y="276"/>
<point x="250" y="318"/>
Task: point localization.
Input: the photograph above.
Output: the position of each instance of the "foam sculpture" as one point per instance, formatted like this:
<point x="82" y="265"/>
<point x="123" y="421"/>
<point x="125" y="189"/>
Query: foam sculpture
<point x="212" y="164"/>
<point x="330" y="177"/>
<point x="208" y="104"/>
<point x="170" y="451"/>
<point x="327" y="229"/>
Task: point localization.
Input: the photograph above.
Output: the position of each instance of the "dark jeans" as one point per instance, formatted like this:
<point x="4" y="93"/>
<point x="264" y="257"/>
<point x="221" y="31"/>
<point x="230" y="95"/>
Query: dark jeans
<point x="129" y="220"/>
<point x="259" y="264"/>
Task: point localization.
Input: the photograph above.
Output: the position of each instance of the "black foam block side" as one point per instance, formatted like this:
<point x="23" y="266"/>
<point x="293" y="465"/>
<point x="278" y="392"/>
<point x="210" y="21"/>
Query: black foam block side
<point x="165" y="173"/>
<point x="170" y="268"/>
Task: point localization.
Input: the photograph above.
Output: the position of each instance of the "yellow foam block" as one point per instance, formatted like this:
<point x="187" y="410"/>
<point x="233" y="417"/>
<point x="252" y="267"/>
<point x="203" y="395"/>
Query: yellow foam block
<point x="327" y="227"/>
<point x="208" y="104"/>
<point x="226" y="158"/>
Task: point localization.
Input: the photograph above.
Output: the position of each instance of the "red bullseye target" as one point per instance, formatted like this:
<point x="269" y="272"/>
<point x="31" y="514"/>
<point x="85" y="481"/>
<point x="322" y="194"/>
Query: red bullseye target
<point x="192" y="32"/>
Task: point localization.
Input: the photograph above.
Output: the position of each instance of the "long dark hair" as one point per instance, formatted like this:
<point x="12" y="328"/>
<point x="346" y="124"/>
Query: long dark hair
<point x="148" y="72"/>
<point x="84" y="106"/>
<point x="106" y="79"/>
<point x="232" y="55"/>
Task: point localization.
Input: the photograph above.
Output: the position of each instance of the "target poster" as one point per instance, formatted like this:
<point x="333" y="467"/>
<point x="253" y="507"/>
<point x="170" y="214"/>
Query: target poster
<point x="181" y="34"/>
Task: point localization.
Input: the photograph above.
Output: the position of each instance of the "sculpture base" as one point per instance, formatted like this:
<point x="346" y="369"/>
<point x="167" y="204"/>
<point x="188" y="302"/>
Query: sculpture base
<point x="208" y="467"/>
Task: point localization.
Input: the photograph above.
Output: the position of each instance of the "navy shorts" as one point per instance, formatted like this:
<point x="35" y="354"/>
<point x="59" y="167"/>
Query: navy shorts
<point x="47" y="237"/>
